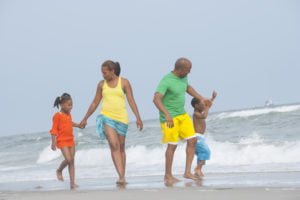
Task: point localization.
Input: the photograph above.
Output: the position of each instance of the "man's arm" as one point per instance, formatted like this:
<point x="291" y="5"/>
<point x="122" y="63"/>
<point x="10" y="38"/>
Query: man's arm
<point x="158" y="103"/>
<point x="190" y="90"/>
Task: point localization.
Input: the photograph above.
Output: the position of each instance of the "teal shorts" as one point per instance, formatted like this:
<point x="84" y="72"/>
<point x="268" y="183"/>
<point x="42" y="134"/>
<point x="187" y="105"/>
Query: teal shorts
<point x="102" y="120"/>
<point x="202" y="151"/>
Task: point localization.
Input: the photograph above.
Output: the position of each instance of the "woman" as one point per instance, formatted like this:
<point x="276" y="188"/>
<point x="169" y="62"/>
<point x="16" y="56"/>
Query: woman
<point x="112" y="122"/>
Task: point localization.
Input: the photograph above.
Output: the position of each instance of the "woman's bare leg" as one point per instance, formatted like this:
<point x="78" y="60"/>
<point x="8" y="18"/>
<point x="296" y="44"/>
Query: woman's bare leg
<point x="114" y="144"/>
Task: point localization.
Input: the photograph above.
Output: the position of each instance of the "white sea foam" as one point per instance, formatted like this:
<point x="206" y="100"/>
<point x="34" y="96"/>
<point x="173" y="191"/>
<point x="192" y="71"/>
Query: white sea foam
<point x="259" y="111"/>
<point x="254" y="151"/>
<point x="250" y="154"/>
<point x="48" y="155"/>
<point x="248" y="151"/>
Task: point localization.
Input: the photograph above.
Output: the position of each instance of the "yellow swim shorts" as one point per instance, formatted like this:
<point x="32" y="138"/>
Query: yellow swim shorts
<point x="183" y="129"/>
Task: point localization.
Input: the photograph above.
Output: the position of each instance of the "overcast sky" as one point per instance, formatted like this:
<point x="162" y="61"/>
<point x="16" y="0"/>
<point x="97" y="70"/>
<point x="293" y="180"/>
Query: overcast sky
<point x="248" y="51"/>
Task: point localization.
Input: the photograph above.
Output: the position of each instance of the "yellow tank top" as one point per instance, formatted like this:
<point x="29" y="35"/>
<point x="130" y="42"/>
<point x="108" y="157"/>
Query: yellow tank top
<point x="113" y="103"/>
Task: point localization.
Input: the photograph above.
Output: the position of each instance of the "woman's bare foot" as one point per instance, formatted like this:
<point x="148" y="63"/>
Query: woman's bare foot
<point x="121" y="181"/>
<point x="190" y="176"/>
<point x="59" y="175"/>
<point x="74" y="186"/>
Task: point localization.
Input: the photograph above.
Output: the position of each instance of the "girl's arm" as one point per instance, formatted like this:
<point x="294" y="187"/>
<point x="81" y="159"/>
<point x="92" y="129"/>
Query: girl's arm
<point x="93" y="105"/>
<point x="53" y="145"/>
<point x="131" y="101"/>
<point x="76" y="125"/>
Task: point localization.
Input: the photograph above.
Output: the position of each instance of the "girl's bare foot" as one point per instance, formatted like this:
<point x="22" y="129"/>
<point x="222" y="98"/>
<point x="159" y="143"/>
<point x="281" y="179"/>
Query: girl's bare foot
<point x="121" y="181"/>
<point x="59" y="175"/>
<point x="74" y="186"/>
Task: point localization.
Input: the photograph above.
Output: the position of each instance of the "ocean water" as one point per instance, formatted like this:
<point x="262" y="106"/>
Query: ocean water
<point x="258" y="142"/>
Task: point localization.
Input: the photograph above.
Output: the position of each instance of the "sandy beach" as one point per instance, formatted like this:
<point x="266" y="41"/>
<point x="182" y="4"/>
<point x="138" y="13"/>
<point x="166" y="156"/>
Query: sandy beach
<point x="169" y="193"/>
<point x="214" y="186"/>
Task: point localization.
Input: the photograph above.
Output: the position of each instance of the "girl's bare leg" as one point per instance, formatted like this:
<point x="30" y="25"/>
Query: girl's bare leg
<point x="69" y="153"/>
<point x="60" y="169"/>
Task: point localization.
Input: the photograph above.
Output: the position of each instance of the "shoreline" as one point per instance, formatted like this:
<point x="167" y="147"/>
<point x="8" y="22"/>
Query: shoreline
<point x="211" y="180"/>
<point x="257" y="193"/>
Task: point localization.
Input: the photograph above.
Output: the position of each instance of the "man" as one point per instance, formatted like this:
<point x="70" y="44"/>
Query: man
<point x="169" y="98"/>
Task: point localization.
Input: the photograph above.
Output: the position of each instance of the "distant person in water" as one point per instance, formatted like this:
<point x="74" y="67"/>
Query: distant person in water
<point x="202" y="151"/>
<point x="175" y="122"/>
<point x="112" y="122"/>
<point x="62" y="136"/>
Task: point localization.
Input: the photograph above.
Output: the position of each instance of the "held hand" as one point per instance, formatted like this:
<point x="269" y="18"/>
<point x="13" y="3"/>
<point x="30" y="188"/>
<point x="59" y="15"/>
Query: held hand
<point x="139" y="124"/>
<point x="82" y="124"/>
<point x="53" y="146"/>
<point x="169" y="121"/>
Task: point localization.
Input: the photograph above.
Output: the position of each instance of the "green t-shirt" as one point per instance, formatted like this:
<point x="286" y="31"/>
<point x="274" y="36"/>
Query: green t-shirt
<point x="173" y="88"/>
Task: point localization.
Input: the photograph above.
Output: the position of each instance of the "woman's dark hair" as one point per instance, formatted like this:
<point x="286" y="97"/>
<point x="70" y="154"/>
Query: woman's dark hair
<point x="195" y="101"/>
<point x="117" y="69"/>
<point x="111" y="65"/>
<point x="62" y="99"/>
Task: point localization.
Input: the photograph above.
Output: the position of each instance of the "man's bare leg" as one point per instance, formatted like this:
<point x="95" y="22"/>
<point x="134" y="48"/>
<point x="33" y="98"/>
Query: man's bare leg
<point x="190" y="151"/>
<point x="169" y="161"/>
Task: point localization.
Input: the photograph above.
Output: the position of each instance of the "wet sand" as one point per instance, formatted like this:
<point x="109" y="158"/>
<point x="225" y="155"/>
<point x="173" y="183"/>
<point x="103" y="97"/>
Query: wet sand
<point x="262" y="193"/>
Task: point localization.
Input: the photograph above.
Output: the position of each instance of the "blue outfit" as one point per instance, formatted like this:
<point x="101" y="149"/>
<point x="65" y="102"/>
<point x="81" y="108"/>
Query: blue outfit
<point x="202" y="151"/>
<point x="120" y="127"/>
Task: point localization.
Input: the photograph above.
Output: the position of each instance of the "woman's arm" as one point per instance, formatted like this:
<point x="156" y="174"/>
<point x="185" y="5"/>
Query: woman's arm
<point x="132" y="104"/>
<point x="93" y="105"/>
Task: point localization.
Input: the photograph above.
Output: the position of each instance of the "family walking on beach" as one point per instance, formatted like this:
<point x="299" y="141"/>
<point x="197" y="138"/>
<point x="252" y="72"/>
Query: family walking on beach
<point x="112" y="121"/>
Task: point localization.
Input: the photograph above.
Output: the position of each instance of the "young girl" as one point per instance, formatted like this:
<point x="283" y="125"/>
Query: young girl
<point x="62" y="136"/>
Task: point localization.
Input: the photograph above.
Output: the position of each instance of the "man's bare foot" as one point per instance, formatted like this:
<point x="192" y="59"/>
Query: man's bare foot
<point x="121" y="181"/>
<point x="172" y="179"/>
<point x="59" y="175"/>
<point x="190" y="176"/>
<point x="198" y="173"/>
<point x="74" y="186"/>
